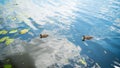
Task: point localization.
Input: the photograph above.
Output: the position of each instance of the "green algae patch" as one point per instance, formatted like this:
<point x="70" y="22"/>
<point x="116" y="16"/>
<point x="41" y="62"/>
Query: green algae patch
<point x="3" y="39"/>
<point x="9" y="41"/>
<point x="3" y="31"/>
<point x="7" y="66"/>
<point x="13" y="31"/>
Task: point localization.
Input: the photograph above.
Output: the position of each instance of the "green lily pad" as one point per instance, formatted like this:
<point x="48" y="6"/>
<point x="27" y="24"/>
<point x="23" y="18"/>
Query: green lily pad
<point x="3" y="32"/>
<point x="3" y="39"/>
<point x="9" y="41"/>
<point x="13" y="31"/>
<point x="24" y="31"/>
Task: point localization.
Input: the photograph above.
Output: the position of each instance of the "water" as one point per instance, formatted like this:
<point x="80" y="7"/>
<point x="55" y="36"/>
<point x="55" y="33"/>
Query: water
<point x="65" y="22"/>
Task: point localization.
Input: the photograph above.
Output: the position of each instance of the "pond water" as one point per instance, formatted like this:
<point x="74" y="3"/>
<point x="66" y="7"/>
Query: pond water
<point x="22" y="21"/>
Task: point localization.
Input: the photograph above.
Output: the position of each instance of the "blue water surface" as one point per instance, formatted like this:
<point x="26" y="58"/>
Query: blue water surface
<point x="104" y="48"/>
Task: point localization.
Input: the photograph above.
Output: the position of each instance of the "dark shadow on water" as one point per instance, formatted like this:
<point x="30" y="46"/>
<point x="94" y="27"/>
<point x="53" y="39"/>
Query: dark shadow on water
<point x="23" y="60"/>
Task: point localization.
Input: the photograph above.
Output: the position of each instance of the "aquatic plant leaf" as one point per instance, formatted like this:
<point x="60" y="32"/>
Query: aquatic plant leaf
<point x="3" y="39"/>
<point x="13" y="31"/>
<point x="24" y="31"/>
<point x="7" y="66"/>
<point x="9" y="41"/>
<point x="82" y="61"/>
<point x="3" y="32"/>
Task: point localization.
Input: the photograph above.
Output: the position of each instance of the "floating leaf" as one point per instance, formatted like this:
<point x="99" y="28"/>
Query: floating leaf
<point x="3" y="39"/>
<point x="83" y="61"/>
<point x="9" y="41"/>
<point x="13" y="31"/>
<point x="7" y="66"/>
<point x="3" y="32"/>
<point x="24" y="31"/>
